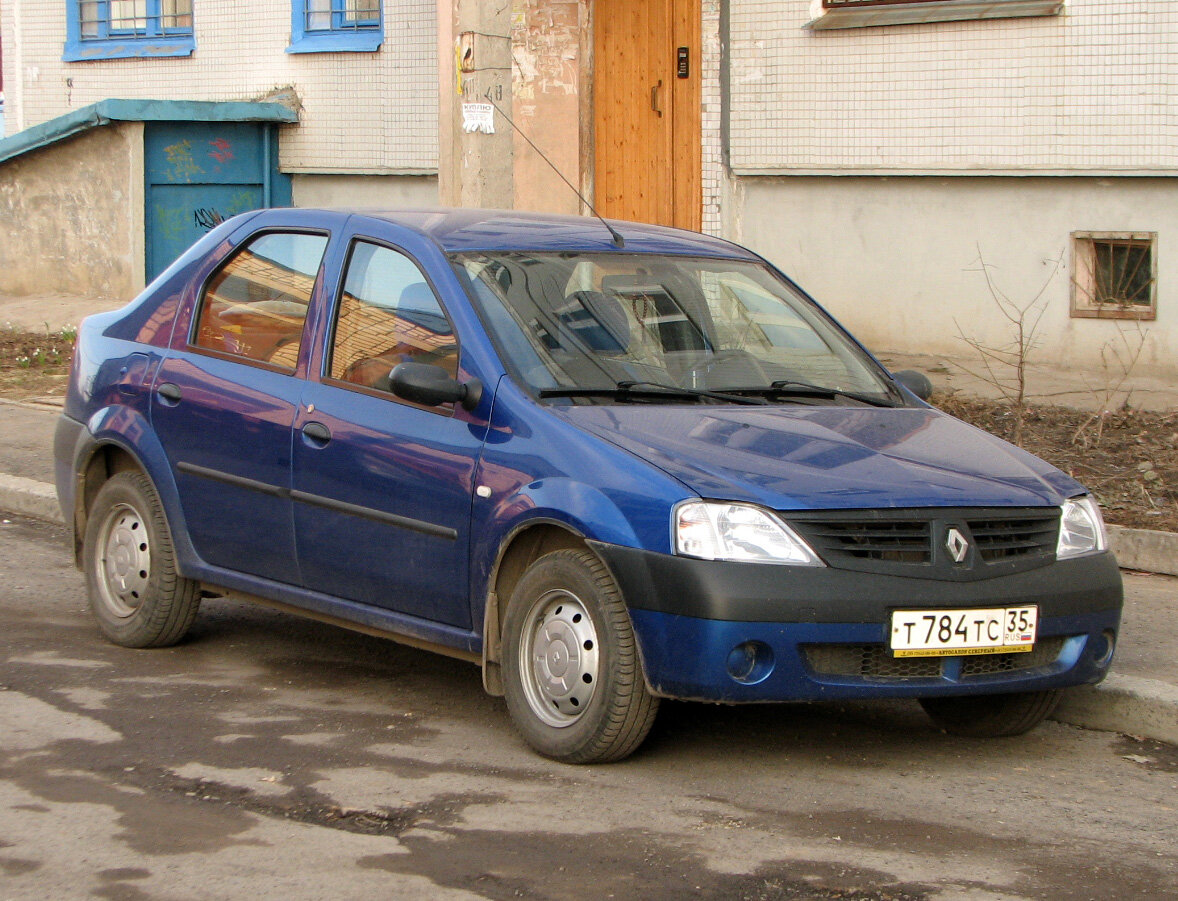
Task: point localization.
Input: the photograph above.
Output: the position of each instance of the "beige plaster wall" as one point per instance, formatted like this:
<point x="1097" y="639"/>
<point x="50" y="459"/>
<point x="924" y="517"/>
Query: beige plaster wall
<point x="383" y="191"/>
<point x="549" y="40"/>
<point x="897" y="260"/>
<point x="71" y="216"/>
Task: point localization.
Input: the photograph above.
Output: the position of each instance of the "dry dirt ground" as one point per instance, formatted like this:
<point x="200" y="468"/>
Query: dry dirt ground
<point x="34" y="366"/>
<point x="1129" y="458"/>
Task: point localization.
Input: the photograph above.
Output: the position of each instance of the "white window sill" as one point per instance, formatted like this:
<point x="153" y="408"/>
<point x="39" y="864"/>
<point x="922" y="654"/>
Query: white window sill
<point x="853" y="16"/>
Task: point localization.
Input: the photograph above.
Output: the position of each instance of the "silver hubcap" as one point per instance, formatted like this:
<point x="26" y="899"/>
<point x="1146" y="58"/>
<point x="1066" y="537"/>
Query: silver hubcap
<point x="559" y="659"/>
<point x="125" y="565"/>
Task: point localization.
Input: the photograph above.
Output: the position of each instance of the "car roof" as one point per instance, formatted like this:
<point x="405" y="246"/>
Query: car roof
<point x="459" y="230"/>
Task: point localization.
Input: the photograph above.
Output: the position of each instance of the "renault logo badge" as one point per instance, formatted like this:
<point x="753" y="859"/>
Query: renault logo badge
<point x="956" y="544"/>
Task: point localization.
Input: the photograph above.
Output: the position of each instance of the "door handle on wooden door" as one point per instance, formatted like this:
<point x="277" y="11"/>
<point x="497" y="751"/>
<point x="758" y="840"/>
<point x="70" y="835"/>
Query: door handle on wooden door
<point x="654" y="98"/>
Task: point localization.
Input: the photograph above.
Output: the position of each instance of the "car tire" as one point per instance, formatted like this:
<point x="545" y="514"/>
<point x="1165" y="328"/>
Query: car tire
<point x="992" y="716"/>
<point x="136" y="594"/>
<point x="572" y="673"/>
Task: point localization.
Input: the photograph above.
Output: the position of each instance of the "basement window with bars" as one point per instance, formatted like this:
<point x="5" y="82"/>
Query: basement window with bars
<point x="112" y="29"/>
<point x="1114" y="275"/>
<point x="827" y="14"/>
<point x="325" y="26"/>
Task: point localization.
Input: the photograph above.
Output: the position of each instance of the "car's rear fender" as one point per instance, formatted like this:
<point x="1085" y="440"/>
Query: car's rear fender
<point x="111" y="437"/>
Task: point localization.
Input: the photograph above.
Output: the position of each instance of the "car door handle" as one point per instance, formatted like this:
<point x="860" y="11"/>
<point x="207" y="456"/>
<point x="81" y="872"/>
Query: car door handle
<point x="169" y="394"/>
<point x="316" y="434"/>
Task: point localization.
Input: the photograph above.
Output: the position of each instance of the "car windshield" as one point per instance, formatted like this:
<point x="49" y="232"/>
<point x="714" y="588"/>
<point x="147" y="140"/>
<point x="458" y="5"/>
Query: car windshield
<point x="610" y="327"/>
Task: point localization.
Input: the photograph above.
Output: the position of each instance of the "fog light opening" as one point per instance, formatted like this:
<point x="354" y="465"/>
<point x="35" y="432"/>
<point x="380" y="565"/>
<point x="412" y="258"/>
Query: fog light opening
<point x="1104" y="647"/>
<point x="750" y="662"/>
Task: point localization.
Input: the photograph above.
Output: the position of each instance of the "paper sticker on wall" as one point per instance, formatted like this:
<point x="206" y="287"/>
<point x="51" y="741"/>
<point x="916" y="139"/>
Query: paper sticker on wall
<point x="478" y="117"/>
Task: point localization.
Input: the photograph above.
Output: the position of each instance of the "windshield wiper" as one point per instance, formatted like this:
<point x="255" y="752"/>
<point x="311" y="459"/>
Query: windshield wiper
<point x="793" y="388"/>
<point x="649" y="391"/>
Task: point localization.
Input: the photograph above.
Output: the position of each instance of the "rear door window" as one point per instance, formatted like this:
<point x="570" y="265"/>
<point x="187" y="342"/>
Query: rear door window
<point x="255" y="305"/>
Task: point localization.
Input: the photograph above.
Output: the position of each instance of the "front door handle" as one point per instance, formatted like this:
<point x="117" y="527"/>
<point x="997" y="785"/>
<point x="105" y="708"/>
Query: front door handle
<point x="654" y="98"/>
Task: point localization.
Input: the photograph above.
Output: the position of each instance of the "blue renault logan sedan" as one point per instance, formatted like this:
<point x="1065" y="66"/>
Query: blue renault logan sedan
<point x="607" y="468"/>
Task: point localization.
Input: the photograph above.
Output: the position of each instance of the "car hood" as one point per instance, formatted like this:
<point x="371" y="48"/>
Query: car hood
<point x="792" y="458"/>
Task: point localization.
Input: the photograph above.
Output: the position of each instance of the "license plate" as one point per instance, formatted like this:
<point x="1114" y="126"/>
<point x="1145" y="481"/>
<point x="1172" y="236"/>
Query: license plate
<point x="949" y="633"/>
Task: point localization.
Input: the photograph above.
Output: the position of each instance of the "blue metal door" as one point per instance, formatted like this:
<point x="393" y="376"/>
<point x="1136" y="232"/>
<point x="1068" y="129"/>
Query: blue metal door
<point x="201" y="173"/>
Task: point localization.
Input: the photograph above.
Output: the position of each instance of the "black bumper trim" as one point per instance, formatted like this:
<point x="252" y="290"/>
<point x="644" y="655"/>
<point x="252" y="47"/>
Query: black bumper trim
<point x="754" y="592"/>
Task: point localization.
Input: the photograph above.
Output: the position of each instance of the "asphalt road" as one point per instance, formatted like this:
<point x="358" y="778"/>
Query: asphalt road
<point x="272" y="757"/>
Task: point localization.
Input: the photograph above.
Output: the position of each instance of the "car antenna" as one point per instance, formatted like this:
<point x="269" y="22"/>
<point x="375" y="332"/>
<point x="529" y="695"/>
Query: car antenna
<point x="619" y="241"/>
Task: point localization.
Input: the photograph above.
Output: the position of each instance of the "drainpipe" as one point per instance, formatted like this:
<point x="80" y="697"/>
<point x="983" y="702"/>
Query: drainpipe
<point x="267" y="163"/>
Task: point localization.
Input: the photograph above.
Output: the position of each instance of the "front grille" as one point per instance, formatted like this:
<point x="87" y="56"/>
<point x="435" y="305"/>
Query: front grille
<point x="896" y="541"/>
<point x="872" y="661"/>
<point x="1046" y="651"/>
<point x="916" y="542"/>
<point x="1007" y="537"/>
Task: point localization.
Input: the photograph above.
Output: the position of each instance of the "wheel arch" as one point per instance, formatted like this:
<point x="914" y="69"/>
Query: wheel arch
<point x="104" y="460"/>
<point x="523" y="547"/>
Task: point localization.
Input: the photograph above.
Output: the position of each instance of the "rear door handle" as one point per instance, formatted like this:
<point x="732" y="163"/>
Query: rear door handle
<point x="316" y="434"/>
<point x="169" y="394"/>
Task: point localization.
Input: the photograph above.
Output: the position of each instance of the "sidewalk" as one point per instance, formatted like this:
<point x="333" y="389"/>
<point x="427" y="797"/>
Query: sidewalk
<point x="1140" y="698"/>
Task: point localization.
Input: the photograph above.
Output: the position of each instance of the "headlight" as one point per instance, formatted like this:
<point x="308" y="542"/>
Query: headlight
<point x="718" y="531"/>
<point x="1081" y="529"/>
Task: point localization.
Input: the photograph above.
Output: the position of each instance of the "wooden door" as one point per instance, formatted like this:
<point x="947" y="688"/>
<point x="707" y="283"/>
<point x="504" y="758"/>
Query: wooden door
<point x="647" y="111"/>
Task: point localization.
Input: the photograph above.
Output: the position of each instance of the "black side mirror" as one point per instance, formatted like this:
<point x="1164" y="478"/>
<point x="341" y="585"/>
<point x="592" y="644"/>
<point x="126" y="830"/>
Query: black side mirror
<point x="916" y="382"/>
<point x="429" y="385"/>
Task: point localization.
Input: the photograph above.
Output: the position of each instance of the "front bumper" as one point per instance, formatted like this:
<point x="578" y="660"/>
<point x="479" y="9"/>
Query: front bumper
<point x="735" y="632"/>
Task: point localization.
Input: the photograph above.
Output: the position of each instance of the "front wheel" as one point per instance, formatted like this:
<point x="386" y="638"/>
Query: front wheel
<point x="572" y="674"/>
<point x="137" y="597"/>
<point x="992" y="716"/>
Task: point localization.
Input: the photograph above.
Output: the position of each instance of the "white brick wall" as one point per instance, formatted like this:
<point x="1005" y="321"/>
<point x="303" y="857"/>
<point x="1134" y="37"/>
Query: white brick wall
<point x="1090" y="90"/>
<point x="713" y="150"/>
<point x="381" y="116"/>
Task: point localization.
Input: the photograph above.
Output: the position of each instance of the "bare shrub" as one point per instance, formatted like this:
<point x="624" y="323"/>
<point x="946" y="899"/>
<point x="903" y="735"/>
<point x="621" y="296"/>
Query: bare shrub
<point x="1004" y="366"/>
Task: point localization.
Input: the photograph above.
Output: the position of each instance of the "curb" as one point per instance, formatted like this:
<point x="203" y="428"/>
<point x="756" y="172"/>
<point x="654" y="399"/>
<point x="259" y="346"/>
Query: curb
<point x="1145" y="549"/>
<point x="30" y="497"/>
<point x="1128" y="704"/>
<point x="1131" y="705"/>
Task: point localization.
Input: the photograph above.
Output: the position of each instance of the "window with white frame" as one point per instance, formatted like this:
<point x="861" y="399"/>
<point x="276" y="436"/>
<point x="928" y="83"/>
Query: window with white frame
<point x="867" y="13"/>
<point x="105" y="29"/>
<point x="319" y="26"/>
<point x="1114" y="275"/>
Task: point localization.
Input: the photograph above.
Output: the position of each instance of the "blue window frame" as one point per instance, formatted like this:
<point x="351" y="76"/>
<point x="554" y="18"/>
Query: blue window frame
<point x="868" y="13"/>
<point x="109" y="29"/>
<point x="324" y="26"/>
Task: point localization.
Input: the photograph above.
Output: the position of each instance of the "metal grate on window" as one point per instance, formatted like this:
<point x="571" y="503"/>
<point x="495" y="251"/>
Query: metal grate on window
<point x="1116" y="275"/>
<point x="1123" y="272"/>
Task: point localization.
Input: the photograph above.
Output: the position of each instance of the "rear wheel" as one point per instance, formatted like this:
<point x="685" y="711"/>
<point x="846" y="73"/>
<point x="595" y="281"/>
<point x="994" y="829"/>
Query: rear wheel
<point x="572" y="675"/>
<point x="992" y="716"/>
<point x="136" y="595"/>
